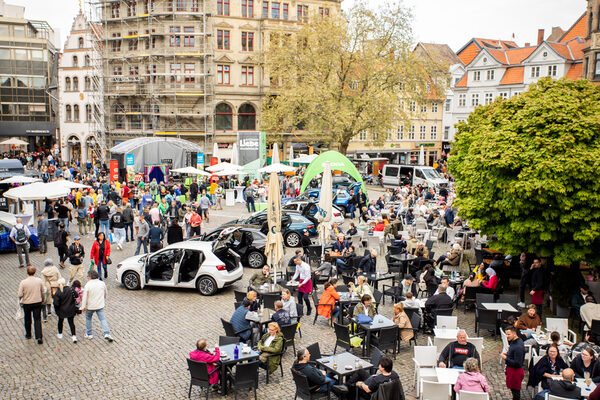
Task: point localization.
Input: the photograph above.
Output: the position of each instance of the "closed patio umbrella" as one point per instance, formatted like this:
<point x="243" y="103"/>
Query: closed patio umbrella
<point x="274" y="247"/>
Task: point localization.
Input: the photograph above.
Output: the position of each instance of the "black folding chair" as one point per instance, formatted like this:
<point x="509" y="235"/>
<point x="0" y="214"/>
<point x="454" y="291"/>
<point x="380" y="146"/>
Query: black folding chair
<point x="483" y="298"/>
<point x="230" y="331"/>
<point x="511" y="299"/>
<point x="377" y="296"/>
<point x="270" y="355"/>
<point x="239" y="296"/>
<point x="347" y="279"/>
<point x="225" y="340"/>
<point x="289" y="334"/>
<point x="343" y="337"/>
<point x="237" y="305"/>
<point x="245" y="377"/>
<point x="300" y="312"/>
<point x="486" y="319"/>
<point x="469" y="297"/>
<point x="269" y="300"/>
<point x="199" y="376"/>
<point x="386" y="340"/>
<point x="376" y="355"/>
<point x="317" y="304"/>
<point x="304" y="390"/>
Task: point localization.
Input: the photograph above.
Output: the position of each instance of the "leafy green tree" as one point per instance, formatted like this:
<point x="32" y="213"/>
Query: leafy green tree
<point x="527" y="169"/>
<point x="342" y="75"/>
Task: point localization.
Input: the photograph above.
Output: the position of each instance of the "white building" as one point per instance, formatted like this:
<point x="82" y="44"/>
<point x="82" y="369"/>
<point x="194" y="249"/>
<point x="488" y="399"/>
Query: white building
<point x="78" y="89"/>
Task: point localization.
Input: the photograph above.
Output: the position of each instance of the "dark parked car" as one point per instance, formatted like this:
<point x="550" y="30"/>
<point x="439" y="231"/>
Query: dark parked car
<point x="249" y="243"/>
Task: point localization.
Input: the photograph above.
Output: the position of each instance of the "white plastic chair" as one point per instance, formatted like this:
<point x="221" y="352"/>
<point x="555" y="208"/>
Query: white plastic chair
<point x="561" y="325"/>
<point x="440" y="344"/>
<point x="464" y="395"/>
<point x="425" y="362"/>
<point x="478" y="343"/>
<point x="553" y="397"/>
<point x="435" y="390"/>
<point x="449" y="321"/>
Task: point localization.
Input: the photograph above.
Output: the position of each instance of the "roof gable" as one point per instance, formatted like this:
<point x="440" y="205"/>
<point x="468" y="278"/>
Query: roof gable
<point x="488" y="58"/>
<point x="463" y="81"/>
<point x="577" y="30"/>
<point x="555" y="52"/>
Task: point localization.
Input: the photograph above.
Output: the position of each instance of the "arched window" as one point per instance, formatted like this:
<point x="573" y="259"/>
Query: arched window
<point x="76" y="113"/>
<point x="88" y="83"/>
<point x="224" y="117"/>
<point x="75" y="83"/>
<point x="67" y="84"/>
<point x="88" y="113"/>
<point x="68" y="113"/>
<point x="87" y="61"/>
<point x="81" y="43"/>
<point x="246" y="118"/>
<point x="75" y="61"/>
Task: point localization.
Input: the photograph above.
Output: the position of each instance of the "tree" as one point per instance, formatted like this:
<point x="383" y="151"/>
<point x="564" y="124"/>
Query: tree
<point x="526" y="170"/>
<point x="344" y="74"/>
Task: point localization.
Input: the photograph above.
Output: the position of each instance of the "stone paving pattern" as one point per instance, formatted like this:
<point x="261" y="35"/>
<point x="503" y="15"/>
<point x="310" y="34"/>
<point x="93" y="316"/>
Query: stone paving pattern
<point x="154" y="330"/>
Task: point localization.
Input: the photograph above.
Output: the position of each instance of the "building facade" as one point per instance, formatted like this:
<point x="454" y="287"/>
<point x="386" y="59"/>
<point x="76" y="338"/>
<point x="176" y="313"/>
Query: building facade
<point x="591" y="53"/>
<point x="28" y="78"/>
<point x="78" y="82"/>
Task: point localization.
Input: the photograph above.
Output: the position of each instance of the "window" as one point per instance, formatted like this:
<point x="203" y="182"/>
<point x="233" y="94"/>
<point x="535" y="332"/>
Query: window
<point x="275" y="8"/>
<point x="516" y="93"/>
<point x="224" y="117"/>
<point x="490" y="75"/>
<point x="133" y="44"/>
<point x="88" y="113"/>
<point x="188" y="40"/>
<point x="489" y="97"/>
<point x="433" y="132"/>
<point x="422" y="132"/>
<point x="223" y="74"/>
<point x="148" y="5"/>
<point x="222" y="7"/>
<point x="324" y="12"/>
<point x="75" y="61"/>
<point x="535" y="72"/>
<point x="448" y="104"/>
<point x="412" y="106"/>
<point x="175" y="73"/>
<point x="151" y="72"/>
<point x="116" y="44"/>
<point x="477" y="75"/>
<point x="248" y="8"/>
<point x="67" y="84"/>
<point x="401" y="105"/>
<point x="86" y="61"/>
<point x="131" y="8"/>
<point x="597" y="66"/>
<point x="246" y="117"/>
<point x="181" y="5"/>
<point x="19" y="31"/>
<point x="136" y="119"/>
<point x="286" y="7"/>
<point x="247" y="76"/>
<point x="87" y="84"/>
<point x="551" y="70"/>
<point x="411" y="133"/>
<point x="117" y="71"/>
<point x="503" y="95"/>
<point x="474" y="100"/>
<point x="423" y="108"/>
<point x="462" y="100"/>
<point x="175" y="39"/>
<point x="75" y="84"/>
<point x="134" y="70"/>
<point x="222" y="39"/>
<point x="302" y="13"/>
<point x="188" y="73"/>
<point x="80" y="42"/>
<point x="434" y="106"/>
<point x="446" y="133"/>
<point x="265" y="9"/>
<point x="362" y="136"/>
<point x="76" y="113"/>
<point x="400" y="133"/>
<point x="68" y="113"/>
<point x="194" y="7"/>
<point x="247" y="41"/>
<point x="115" y="10"/>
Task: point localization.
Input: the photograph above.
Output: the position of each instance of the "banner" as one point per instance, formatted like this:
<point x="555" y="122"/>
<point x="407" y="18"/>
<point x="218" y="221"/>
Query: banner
<point x="113" y="166"/>
<point x="200" y="160"/>
<point x="249" y="147"/>
<point x="130" y="166"/>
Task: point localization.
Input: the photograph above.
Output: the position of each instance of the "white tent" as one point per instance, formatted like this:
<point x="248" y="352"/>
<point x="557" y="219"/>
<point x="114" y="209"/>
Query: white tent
<point x="230" y="171"/>
<point x="14" y="142"/>
<point x="60" y="184"/>
<point x="277" y="168"/>
<point x="20" y="179"/>
<point x="37" y="191"/>
<point x="223" y="166"/>
<point x="275" y="155"/>
<point x="305" y="159"/>
<point x="191" y="171"/>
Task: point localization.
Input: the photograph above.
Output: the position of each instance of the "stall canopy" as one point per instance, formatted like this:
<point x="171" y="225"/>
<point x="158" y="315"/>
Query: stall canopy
<point x="338" y="162"/>
<point x="155" y="150"/>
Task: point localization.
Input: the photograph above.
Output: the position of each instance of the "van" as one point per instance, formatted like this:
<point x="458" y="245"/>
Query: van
<point x="397" y="175"/>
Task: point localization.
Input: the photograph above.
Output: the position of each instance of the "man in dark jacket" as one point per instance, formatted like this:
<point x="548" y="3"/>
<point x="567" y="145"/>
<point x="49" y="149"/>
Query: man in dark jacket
<point x="368" y="264"/>
<point x="128" y="221"/>
<point x="436" y="302"/>
<point x="76" y="256"/>
<point x="174" y="232"/>
<point x="64" y="306"/>
<point x="193" y="191"/>
<point x="155" y="237"/>
<point x="513" y="359"/>
<point x="456" y="353"/>
<point x="566" y="388"/>
<point x="102" y="213"/>
<point x="537" y="285"/>
<point x="315" y="376"/>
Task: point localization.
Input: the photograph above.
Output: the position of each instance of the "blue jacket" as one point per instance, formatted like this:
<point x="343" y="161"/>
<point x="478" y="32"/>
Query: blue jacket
<point x="239" y="322"/>
<point x="156" y="234"/>
<point x="340" y="247"/>
<point x="42" y="227"/>
<point x="449" y="216"/>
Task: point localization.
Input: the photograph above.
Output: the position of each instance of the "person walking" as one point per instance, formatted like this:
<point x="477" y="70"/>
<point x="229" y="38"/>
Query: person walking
<point x="219" y="197"/>
<point x="304" y="283"/>
<point x="65" y="308"/>
<point x="249" y="192"/>
<point x="82" y="217"/>
<point x="19" y="234"/>
<point x="537" y="285"/>
<point x="42" y="233"/>
<point x="128" y="218"/>
<point x="50" y="275"/>
<point x="195" y="223"/>
<point x="100" y="254"/>
<point x="63" y="213"/>
<point x="525" y="279"/>
<point x="61" y="242"/>
<point x="31" y="293"/>
<point x="103" y="217"/>
<point x="513" y="359"/>
<point x="174" y="232"/>
<point x="117" y="226"/>
<point x="155" y="235"/>
<point x="141" y="233"/>
<point x="94" y="301"/>
<point x="76" y="255"/>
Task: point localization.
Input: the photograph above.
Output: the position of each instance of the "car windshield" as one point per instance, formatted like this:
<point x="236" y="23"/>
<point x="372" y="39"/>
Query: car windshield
<point x="432" y="173"/>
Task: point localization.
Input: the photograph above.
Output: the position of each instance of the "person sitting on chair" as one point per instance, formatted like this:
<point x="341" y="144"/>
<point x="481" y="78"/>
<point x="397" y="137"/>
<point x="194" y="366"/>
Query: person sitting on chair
<point x="365" y="306"/>
<point x="211" y="358"/>
<point x="456" y="353"/>
<point x="434" y="303"/>
<point x="260" y="278"/>
<point x="449" y="289"/>
<point x="281" y="316"/>
<point x="367" y="385"/>
<point x="352" y="230"/>
<point x="368" y="264"/>
<point x="406" y="285"/>
<point x="565" y="388"/>
<point x="315" y="376"/>
<point x="271" y="343"/>
<point x="326" y="270"/>
<point x="252" y="296"/>
<point x="362" y="287"/>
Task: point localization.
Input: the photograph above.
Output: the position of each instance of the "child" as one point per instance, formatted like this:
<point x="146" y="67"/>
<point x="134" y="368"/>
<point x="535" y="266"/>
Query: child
<point x="76" y="285"/>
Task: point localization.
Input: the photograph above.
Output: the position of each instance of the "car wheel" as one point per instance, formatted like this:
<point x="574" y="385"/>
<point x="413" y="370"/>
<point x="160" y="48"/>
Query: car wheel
<point x="131" y="280"/>
<point x="256" y="260"/>
<point x="207" y="286"/>
<point x="292" y="239"/>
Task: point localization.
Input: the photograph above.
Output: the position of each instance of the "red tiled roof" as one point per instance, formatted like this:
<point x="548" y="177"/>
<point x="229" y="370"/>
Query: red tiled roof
<point x="575" y="71"/>
<point x="462" y="82"/>
<point x="577" y="45"/>
<point x="494" y="43"/>
<point x="577" y="30"/>
<point x="469" y="53"/>
<point x="562" y="49"/>
<point x="513" y="75"/>
<point x="516" y="56"/>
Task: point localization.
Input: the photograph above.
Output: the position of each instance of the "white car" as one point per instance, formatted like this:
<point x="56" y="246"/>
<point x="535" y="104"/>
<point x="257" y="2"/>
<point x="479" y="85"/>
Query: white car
<point x="204" y="266"/>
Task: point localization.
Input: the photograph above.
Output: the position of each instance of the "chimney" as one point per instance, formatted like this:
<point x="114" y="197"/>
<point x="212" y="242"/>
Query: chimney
<point x="527" y="44"/>
<point x="540" y="36"/>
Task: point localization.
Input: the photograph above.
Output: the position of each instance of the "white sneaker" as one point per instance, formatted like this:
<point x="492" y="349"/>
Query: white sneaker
<point x="59" y="335"/>
<point x="119" y="246"/>
<point x="74" y="338"/>
<point x="108" y="338"/>
<point x="521" y="304"/>
<point x="88" y="336"/>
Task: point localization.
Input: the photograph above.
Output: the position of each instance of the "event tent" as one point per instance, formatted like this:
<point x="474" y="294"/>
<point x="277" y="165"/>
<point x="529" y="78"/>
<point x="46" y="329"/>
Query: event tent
<point x="338" y="162"/>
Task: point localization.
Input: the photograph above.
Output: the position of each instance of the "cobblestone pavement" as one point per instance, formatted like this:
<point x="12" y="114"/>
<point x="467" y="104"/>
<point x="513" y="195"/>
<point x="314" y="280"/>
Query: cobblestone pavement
<point x="154" y="330"/>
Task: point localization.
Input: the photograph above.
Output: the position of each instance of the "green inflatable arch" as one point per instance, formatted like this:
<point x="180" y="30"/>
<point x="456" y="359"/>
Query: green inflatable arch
<point x="338" y="161"/>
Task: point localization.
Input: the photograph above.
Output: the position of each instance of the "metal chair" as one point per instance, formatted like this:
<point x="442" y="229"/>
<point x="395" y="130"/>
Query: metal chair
<point x="511" y="299"/>
<point x="469" y="297"/>
<point x="304" y="390"/>
<point x="225" y="340"/>
<point x="483" y="298"/>
<point x="317" y="305"/>
<point x="230" y="331"/>
<point x="199" y="376"/>
<point x="376" y="355"/>
<point x="315" y="351"/>
<point x="300" y="312"/>
<point x="239" y="295"/>
<point x="245" y="377"/>
<point x="289" y="334"/>
<point x="386" y="340"/>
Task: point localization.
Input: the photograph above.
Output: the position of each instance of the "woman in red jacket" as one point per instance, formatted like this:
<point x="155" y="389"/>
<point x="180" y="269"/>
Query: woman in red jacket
<point x="100" y="254"/>
<point x="329" y="296"/>
<point x="489" y="285"/>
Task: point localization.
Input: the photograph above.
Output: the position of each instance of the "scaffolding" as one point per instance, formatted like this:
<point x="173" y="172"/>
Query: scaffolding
<point x="156" y="62"/>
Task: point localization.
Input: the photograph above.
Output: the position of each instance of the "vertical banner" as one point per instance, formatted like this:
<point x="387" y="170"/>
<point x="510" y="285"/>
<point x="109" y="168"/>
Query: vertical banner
<point x="262" y="156"/>
<point x="249" y="147"/>
<point x="130" y="166"/>
<point x="200" y="160"/>
<point x="113" y="166"/>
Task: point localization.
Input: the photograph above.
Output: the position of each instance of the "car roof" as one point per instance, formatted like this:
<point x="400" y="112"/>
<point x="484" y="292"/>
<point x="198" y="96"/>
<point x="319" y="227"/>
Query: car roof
<point x="191" y="245"/>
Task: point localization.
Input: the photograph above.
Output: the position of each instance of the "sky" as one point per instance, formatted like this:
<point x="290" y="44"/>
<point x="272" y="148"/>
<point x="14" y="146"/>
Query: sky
<point x="453" y="22"/>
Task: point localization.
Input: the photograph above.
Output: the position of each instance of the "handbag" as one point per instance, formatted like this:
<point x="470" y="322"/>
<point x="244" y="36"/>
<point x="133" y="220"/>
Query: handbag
<point x="19" y="313"/>
<point x="108" y="261"/>
<point x="363" y="319"/>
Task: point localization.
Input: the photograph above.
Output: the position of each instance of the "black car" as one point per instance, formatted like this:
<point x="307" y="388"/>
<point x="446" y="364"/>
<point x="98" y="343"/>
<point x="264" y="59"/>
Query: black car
<point x="249" y="243"/>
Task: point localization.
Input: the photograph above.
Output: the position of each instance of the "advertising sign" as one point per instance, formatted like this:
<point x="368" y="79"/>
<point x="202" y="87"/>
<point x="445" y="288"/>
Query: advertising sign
<point x="113" y="166"/>
<point x="130" y="166"/>
<point x="249" y="147"/>
<point x="200" y="160"/>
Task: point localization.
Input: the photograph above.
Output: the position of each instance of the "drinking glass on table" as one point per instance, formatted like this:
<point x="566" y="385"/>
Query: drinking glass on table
<point x="586" y="377"/>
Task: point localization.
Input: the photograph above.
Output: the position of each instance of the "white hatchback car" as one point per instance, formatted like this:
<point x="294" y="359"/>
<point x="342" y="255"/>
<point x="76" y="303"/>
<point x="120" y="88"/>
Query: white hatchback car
<point x="204" y="266"/>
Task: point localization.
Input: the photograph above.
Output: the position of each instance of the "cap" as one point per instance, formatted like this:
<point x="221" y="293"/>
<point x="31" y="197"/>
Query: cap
<point x="76" y="238"/>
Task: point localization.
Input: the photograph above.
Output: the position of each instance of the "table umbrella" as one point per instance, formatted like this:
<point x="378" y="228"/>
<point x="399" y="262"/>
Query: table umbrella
<point x="274" y="246"/>
<point x="20" y="179"/>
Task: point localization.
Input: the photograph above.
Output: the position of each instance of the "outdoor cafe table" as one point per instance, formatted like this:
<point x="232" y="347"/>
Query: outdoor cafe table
<point x="379" y="322"/>
<point x="345" y="364"/>
<point x="585" y="389"/>
<point x="375" y="278"/>
<point x="345" y="301"/>
<point x="544" y="339"/>
<point x="267" y="289"/>
<point x="499" y="307"/>
<point x="404" y="259"/>
<point x="229" y="361"/>
<point x="448" y="375"/>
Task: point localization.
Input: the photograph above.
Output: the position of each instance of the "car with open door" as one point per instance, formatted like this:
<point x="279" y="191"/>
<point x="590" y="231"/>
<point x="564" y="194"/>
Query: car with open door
<point x="198" y="265"/>
<point x="310" y="207"/>
<point x="248" y="242"/>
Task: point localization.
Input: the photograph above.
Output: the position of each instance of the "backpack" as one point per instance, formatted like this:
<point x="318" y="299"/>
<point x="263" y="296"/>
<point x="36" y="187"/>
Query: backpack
<point x="58" y="239"/>
<point x="21" y="236"/>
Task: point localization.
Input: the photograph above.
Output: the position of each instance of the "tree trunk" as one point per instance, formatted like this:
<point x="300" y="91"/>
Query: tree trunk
<point x="343" y="146"/>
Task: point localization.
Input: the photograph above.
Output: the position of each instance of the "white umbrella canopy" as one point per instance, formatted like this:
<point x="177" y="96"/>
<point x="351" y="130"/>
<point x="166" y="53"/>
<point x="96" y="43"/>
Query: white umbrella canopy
<point x="229" y="172"/>
<point x="37" y="191"/>
<point x="20" y="179"/>
<point x="324" y="212"/>
<point x="67" y="185"/>
<point x="14" y="141"/>
<point x="305" y="159"/>
<point x="274" y="247"/>
<point x="421" y="156"/>
<point x="215" y="153"/>
<point x="191" y="171"/>
<point x="223" y="166"/>
<point x="277" y="168"/>
<point x="275" y="155"/>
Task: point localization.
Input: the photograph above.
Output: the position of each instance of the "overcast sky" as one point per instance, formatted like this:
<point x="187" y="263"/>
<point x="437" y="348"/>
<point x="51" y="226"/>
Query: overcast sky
<point x="438" y="21"/>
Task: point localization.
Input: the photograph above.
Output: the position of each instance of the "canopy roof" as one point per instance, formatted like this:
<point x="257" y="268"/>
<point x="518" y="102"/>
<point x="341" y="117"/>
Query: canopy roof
<point x="129" y="145"/>
<point x="338" y="162"/>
